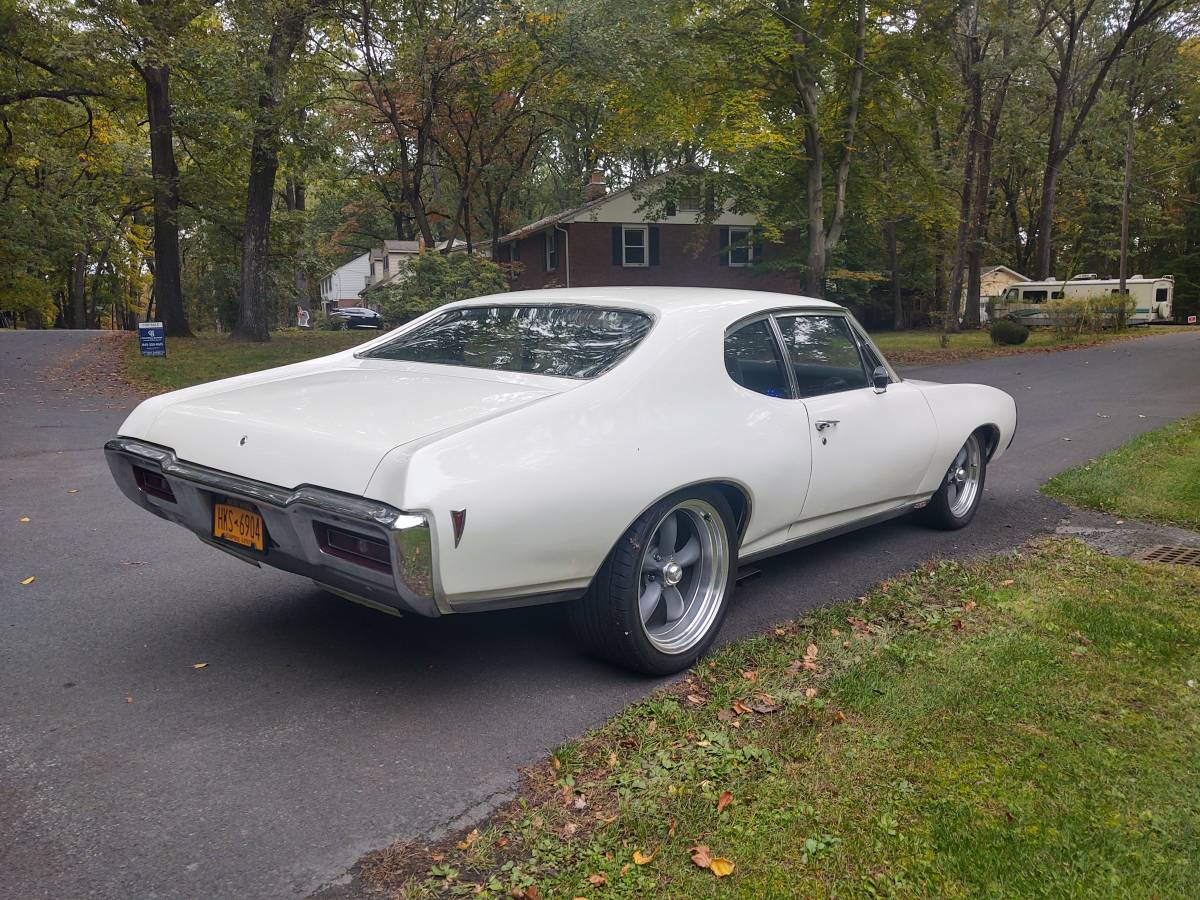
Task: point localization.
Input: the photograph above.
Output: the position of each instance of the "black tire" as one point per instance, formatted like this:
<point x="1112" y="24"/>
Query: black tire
<point x="607" y="619"/>
<point x="940" y="512"/>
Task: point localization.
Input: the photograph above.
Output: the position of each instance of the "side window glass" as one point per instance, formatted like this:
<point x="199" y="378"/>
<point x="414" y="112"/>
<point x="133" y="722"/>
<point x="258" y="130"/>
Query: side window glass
<point x="752" y="360"/>
<point x="823" y="354"/>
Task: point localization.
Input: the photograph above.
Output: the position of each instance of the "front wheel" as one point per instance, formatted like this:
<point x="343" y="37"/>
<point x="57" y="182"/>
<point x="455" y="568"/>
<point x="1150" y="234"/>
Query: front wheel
<point x="658" y="601"/>
<point x="957" y="500"/>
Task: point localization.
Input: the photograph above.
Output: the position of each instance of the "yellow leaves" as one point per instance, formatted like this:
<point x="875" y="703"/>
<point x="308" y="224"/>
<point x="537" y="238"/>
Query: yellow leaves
<point x="471" y="838"/>
<point x="641" y="858"/>
<point x="721" y="867"/>
<point x="30" y="580"/>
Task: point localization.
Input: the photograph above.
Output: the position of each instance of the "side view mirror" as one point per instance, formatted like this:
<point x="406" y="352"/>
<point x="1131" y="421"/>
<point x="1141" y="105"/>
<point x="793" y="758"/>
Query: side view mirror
<point x="879" y="379"/>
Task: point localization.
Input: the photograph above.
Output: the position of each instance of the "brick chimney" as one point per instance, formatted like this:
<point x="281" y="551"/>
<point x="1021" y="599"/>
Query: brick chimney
<point x="595" y="188"/>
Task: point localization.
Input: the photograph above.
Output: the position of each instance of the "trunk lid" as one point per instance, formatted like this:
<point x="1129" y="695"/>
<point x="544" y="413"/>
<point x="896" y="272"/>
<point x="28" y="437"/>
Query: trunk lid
<point x="331" y="427"/>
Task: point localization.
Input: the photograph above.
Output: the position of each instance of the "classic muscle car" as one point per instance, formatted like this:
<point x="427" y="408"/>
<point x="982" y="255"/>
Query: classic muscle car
<point x="621" y="450"/>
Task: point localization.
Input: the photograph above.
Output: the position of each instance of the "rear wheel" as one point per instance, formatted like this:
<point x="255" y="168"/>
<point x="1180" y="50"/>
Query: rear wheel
<point x="957" y="500"/>
<point x="659" y="600"/>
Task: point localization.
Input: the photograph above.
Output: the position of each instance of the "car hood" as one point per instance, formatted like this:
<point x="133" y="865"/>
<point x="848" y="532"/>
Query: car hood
<point x="329" y="427"/>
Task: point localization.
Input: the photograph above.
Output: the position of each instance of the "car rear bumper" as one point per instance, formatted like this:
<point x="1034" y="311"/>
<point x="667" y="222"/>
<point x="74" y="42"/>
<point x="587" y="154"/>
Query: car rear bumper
<point x="295" y="521"/>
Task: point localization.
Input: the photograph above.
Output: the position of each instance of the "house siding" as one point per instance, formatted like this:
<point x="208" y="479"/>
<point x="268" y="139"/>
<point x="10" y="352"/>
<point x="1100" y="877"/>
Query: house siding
<point x="688" y="257"/>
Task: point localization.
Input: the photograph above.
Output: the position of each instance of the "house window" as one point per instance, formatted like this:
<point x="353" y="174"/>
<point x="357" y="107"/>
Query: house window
<point x="387" y="262"/>
<point x="634" y="243"/>
<point x="551" y="250"/>
<point x="689" y="203"/>
<point x="741" y="250"/>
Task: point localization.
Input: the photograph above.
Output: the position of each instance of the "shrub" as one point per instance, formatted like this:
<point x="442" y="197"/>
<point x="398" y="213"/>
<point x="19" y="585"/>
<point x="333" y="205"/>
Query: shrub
<point x="433" y="278"/>
<point x="1073" y="316"/>
<point x="1006" y="332"/>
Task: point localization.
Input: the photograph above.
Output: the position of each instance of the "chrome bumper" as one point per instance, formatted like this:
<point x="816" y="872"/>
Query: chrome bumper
<point x="289" y="517"/>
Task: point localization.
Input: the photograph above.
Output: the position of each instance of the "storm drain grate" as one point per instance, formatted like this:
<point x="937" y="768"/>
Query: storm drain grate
<point x="1167" y="553"/>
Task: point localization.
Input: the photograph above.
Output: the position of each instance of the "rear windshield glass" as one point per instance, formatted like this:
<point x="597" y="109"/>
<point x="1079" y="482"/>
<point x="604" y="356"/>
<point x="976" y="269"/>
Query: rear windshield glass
<point x="567" y="341"/>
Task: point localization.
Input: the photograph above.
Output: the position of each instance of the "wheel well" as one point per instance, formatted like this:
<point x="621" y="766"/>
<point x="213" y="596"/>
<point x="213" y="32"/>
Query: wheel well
<point x="739" y="502"/>
<point x="990" y="435"/>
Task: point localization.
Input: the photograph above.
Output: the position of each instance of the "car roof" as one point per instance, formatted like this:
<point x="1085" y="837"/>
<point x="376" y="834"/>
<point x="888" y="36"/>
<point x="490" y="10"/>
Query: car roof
<point x="726" y="302"/>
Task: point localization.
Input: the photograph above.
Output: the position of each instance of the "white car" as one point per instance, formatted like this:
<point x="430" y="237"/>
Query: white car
<point x="622" y="450"/>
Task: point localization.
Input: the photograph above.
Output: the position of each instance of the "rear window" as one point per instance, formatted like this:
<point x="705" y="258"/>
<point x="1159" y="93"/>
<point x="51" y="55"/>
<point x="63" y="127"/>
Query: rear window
<point x="566" y="341"/>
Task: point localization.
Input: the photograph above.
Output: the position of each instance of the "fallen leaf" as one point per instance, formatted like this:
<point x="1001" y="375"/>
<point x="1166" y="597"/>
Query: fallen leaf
<point x="750" y="675"/>
<point x="840" y="716"/>
<point x="845" y="643"/>
<point x="612" y="757"/>
<point x="438" y="857"/>
<point x="598" y="879"/>
<point x="502" y="842"/>
<point x="809" y="693"/>
<point x="1006" y="582"/>
<point x="724" y="715"/>
<point x="580" y="802"/>
<point x="642" y="858"/>
<point x="739" y="708"/>
<point x="625" y="869"/>
<point x="958" y="624"/>
<point x="128" y="699"/>
<point x="555" y="763"/>
<point x="695" y="699"/>
<point x="671" y="829"/>
<point x="568" y="830"/>
<point x="72" y="490"/>
<point x="652" y="727"/>
<point x="701" y="857"/>
<point x="836" y="633"/>
<point x="724" y="800"/>
<point x="766" y="704"/>
<point x="30" y="580"/>
<point x="24" y="519"/>
<point x="721" y="867"/>
<point x="971" y="604"/>
<point x="199" y="665"/>
<point x="472" y="837"/>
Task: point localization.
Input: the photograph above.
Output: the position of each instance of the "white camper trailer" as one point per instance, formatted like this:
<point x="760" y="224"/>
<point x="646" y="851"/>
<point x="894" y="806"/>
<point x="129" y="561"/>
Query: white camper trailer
<point x="1152" y="297"/>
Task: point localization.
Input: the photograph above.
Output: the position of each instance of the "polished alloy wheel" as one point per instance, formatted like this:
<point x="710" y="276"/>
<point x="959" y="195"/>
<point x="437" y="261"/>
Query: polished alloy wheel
<point x="684" y="573"/>
<point x="963" y="478"/>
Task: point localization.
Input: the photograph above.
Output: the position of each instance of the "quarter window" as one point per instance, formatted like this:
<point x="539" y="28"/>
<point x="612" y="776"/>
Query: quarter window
<point x="823" y="354"/>
<point x="752" y="360"/>
<point x="634" y="245"/>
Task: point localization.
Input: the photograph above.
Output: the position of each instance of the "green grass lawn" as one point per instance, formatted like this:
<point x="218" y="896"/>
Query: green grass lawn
<point x="1154" y="477"/>
<point x="924" y="347"/>
<point x="209" y="356"/>
<point x="1026" y="725"/>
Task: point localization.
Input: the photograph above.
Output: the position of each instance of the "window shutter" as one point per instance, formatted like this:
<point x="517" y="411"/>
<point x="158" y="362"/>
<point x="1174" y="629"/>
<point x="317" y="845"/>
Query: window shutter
<point x="616" y="241"/>
<point x="758" y="245"/>
<point x="723" y="258"/>
<point x="653" y="245"/>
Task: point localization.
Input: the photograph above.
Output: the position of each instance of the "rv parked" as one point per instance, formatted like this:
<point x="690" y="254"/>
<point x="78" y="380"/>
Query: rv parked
<point x="1152" y="297"/>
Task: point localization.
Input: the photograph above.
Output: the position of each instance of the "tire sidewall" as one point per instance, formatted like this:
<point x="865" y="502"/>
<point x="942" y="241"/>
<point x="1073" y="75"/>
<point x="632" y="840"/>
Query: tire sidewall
<point x="938" y="511"/>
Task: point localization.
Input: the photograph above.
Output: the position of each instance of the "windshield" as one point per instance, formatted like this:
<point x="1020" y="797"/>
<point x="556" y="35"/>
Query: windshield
<point x="567" y="341"/>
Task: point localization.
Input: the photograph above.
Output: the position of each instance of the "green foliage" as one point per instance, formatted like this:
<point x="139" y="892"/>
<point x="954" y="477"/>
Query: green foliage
<point x="1004" y="331"/>
<point x="1073" y="316"/>
<point x="432" y="279"/>
<point x="28" y="296"/>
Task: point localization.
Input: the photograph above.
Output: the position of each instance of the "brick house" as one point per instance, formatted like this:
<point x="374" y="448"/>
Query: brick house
<point x="610" y="240"/>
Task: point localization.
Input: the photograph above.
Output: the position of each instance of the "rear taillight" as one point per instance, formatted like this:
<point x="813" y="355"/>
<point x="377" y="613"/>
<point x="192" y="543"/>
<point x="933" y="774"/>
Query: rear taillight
<point x="153" y="483"/>
<point x="371" y="552"/>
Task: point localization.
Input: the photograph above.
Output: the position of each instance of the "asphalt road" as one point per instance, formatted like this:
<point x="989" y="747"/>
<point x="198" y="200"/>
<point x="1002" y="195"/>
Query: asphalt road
<point x="320" y="730"/>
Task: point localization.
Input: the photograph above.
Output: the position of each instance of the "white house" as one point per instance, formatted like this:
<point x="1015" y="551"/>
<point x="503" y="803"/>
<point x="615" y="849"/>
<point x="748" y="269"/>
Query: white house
<point x="342" y="286"/>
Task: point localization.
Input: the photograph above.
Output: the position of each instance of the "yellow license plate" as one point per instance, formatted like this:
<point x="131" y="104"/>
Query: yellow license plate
<point x="242" y="526"/>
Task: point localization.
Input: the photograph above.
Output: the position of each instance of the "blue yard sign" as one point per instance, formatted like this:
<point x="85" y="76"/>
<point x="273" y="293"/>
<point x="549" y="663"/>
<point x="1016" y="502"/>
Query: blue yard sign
<point x="152" y="339"/>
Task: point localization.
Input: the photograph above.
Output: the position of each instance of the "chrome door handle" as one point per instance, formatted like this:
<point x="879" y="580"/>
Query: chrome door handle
<point x="822" y="424"/>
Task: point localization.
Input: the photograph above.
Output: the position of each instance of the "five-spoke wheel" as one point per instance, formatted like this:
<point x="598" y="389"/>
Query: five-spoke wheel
<point x="660" y="597"/>
<point x="957" y="499"/>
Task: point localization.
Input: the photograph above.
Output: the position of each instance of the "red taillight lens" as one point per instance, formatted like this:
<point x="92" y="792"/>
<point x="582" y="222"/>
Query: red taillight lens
<point x="361" y="549"/>
<point x="153" y="483"/>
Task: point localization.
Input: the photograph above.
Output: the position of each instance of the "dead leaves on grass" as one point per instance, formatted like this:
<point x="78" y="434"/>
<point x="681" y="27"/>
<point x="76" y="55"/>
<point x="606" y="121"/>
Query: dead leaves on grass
<point x="718" y="865"/>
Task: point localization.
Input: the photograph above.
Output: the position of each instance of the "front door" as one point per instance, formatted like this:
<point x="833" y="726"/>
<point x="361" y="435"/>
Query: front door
<point x="870" y="449"/>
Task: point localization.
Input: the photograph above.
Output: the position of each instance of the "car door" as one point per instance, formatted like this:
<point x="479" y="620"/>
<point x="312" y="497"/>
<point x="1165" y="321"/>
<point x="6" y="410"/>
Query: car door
<point x="870" y="447"/>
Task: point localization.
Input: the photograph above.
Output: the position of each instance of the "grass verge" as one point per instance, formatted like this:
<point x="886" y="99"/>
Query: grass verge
<point x="918" y="348"/>
<point x="1154" y="477"/>
<point x="1023" y="725"/>
<point x="208" y="357"/>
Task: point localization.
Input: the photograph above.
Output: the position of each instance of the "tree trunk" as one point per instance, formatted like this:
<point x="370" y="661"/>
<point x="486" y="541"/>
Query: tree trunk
<point x="252" y="324"/>
<point x="77" y="312"/>
<point x="168" y="289"/>
<point x="815" y="285"/>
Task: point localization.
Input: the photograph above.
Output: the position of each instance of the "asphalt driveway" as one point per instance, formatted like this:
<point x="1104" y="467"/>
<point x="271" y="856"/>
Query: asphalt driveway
<point x="320" y="730"/>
